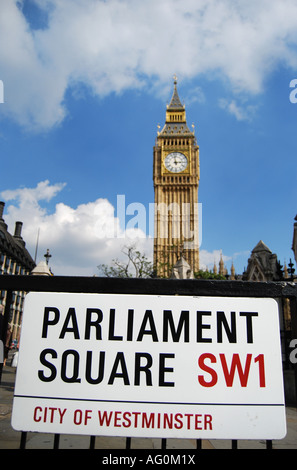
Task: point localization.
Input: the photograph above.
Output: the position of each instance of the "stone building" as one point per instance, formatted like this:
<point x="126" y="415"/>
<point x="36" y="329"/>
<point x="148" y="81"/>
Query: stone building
<point x="262" y="265"/>
<point x="16" y="260"/>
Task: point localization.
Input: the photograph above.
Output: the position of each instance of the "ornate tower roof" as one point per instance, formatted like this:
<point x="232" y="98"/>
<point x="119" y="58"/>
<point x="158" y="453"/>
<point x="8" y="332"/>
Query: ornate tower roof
<point x="175" y="102"/>
<point x="175" y="124"/>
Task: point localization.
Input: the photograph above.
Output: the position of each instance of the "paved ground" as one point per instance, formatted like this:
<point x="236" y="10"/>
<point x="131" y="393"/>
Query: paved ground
<point x="10" y="439"/>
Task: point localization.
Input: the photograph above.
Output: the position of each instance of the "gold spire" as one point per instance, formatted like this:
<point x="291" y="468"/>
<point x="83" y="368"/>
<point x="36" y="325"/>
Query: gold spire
<point x="175" y="103"/>
<point x="175" y="119"/>
<point x="232" y="272"/>
<point x="221" y="265"/>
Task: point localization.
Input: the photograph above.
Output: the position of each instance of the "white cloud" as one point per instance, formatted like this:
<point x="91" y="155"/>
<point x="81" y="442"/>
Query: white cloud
<point x="71" y="234"/>
<point x="208" y="259"/>
<point x="119" y="44"/>
<point x="241" y="112"/>
<point x="239" y="259"/>
<point x="43" y="191"/>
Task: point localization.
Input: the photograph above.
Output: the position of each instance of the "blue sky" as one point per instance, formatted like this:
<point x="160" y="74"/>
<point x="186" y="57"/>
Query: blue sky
<point x="86" y="83"/>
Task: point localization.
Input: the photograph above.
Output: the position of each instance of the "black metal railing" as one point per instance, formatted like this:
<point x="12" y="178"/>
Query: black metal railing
<point x="276" y="290"/>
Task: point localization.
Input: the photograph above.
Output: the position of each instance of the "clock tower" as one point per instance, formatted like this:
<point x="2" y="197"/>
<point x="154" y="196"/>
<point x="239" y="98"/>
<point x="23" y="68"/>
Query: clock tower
<point x="176" y="180"/>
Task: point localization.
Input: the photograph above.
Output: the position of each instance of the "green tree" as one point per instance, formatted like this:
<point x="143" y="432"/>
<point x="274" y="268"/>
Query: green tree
<point x="208" y="275"/>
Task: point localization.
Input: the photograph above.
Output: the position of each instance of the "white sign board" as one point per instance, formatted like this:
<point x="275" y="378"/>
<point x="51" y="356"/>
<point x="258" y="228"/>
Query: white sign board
<point x="150" y="366"/>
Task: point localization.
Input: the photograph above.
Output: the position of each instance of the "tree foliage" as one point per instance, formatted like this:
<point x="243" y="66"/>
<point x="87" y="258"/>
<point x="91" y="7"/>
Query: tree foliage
<point x="208" y="275"/>
<point x="135" y="265"/>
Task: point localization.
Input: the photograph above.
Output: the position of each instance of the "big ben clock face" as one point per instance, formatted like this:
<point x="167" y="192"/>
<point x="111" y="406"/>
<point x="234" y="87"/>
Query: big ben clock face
<point x="176" y="162"/>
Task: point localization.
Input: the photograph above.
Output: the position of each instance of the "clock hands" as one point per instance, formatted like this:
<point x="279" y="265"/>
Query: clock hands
<point x="176" y="162"/>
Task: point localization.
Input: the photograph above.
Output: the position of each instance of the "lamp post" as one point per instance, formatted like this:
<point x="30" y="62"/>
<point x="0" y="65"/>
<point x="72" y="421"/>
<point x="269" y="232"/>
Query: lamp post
<point x="47" y="256"/>
<point x="291" y="270"/>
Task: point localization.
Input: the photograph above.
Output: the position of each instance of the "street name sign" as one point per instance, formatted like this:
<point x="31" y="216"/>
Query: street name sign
<point x="150" y="366"/>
